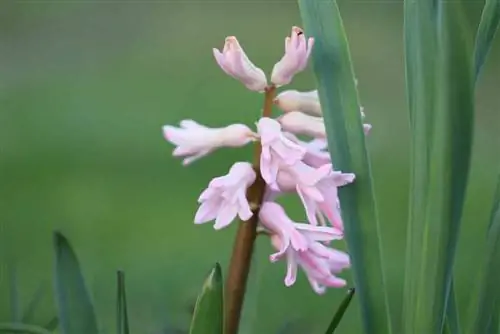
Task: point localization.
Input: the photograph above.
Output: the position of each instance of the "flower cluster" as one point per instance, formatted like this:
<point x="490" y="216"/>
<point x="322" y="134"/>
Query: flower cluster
<point x="287" y="164"/>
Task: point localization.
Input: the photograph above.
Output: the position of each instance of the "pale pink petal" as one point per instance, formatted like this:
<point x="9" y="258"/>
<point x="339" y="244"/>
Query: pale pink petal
<point x="207" y="212"/>
<point x="225" y="216"/>
<point x="291" y="272"/>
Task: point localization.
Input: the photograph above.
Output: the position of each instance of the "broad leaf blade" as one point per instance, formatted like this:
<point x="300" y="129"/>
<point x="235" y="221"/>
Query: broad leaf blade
<point x="340" y="312"/>
<point x="488" y="26"/>
<point x="448" y="124"/>
<point x="75" y="310"/>
<point x="121" y="305"/>
<point x="488" y="308"/>
<point x="346" y="142"/>
<point x="208" y="317"/>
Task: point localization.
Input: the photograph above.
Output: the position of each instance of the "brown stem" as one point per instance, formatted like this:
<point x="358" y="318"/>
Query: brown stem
<point x="241" y="258"/>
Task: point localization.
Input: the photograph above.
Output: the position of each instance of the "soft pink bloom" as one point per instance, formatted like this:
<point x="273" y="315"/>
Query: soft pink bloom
<point x="297" y="52"/>
<point x="299" y="123"/>
<point x="235" y="63"/>
<point x="306" y="102"/>
<point x="293" y="100"/>
<point x="316" y="154"/>
<point x="317" y="189"/>
<point x="195" y="141"/>
<point x="225" y="197"/>
<point x="320" y="263"/>
<point x="292" y="235"/>
<point x="277" y="150"/>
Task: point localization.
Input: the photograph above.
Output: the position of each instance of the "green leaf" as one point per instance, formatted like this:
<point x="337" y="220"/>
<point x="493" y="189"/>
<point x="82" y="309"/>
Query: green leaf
<point x="52" y="324"/>
<point x="121" y="305"/>
<point x="208" y="317"/>
<point x="488" y="26"/>
<point x="488" y="308"/>
<point x="74" y="306"/>
<point x="340" y="312"/>
<point x="452" y="316"/>
<point x="346" y="141"/>
<point x="29" y="313"/>
<point x="22" y="328"/>
<point x="441" y="100"/>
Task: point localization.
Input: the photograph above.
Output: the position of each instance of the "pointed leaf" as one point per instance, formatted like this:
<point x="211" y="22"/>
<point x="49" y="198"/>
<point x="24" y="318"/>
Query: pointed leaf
<point x="488" y="308"/>
<point x="488" y="26"/>
<point x="74" y="306"/>
<point x="441" y="162"/>
<point x="340" y="312"/>
<point x="452" y="316"/>
<point x="208" y="315"/>
<point x="121" y="305"/>
<point x="22" y="329"/>
<point x="29" y="313"/>
<point x="346" y="141"/>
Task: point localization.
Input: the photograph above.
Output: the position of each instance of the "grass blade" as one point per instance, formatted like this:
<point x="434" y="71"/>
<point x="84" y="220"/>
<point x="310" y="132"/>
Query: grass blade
<point x="346" y="141"/>
<point x="441" y="160"/>
<point x="121" y="305"/>
<point x="22" y="329"/>
<point x="208" y="317"/>
<point x="52" y="324"/>
<point x="488" y="308"/>
<point x="29" y="313"/>
<point x="488" y="26"/>
<point x="452" y="317"/>
<point x="74" y="306"/>
<point x="340" y="311"/>
<point x="420" y="62"/>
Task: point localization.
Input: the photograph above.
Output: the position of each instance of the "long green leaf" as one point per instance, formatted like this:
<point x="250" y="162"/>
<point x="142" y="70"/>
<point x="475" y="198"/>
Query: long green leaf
<point x="441" y="160"/>
<point x="340" y="311"/>
<point x="22" y="329"/>
<point x="488" y="26"/>
<point x="420" y="63"/>
<point x="488" y="308"/>
<point x="208" y="317"/>
<point x="121" y="305"/>
<point x="346" y="142"/>
<point x="452" y="315"/>
<point x="74" y="306"/>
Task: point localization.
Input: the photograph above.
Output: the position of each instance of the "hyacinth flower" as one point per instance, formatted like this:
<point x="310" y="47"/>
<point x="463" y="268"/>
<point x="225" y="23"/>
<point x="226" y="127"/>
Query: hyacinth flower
<point x="283" y="165"/>
<point x="225" y="197"/>
<point x="195" y="141"/>
<point x="291" y="101"/>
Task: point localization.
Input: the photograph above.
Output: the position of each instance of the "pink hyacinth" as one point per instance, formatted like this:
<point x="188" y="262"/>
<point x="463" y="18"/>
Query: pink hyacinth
<point x="277" y="150"/>
<point x="297" y="52"/>
<point x="234" y="61"/>
<point x="317" y="189"/>
<point x="320" y="263"/>
<point x="316" y="154"/>
<point x="292" y="235"/>
<point x="299" y="123"/>
<point x="195" y="141"/>
<point x="225" y="197"/>
<point x="293" y="100"/>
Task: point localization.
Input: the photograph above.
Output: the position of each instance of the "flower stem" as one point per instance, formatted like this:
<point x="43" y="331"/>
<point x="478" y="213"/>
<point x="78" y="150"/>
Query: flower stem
<point x="241" y="258"/>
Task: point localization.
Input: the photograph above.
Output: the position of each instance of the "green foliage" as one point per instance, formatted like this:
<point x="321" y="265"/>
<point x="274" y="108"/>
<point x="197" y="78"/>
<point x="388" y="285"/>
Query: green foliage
<point x="208" y="317"/>
<point x="441" y="101"/>
<point x="23" y="329"/>
<point x="346" y="142"/>
<point x="74" y="305"/>
<point x="488" y="26"/>
<point x="488" y="305"/>
<point x="340" y="312"/>
<point x="122" y="326"/>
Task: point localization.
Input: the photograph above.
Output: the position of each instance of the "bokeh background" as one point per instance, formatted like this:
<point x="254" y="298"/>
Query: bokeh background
<point x="85" y="87"/>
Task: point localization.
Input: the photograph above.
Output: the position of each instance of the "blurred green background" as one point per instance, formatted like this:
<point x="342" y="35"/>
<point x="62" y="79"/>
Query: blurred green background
<point x="85" y="87"/>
